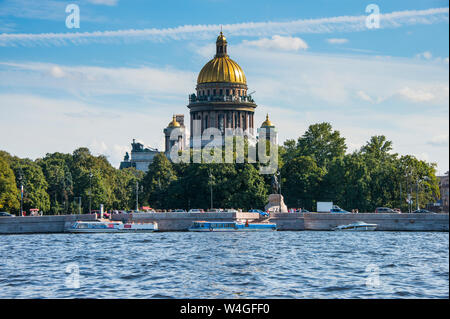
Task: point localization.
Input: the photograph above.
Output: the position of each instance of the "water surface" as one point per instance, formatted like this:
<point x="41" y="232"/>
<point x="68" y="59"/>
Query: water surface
<point x="302" y="264"/>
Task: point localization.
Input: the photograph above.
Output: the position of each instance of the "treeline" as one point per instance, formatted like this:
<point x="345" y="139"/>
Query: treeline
<point x="315" y="167"/>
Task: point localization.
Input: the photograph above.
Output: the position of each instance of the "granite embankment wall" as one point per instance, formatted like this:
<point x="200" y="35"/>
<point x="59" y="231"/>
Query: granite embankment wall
<point x="284" y="221"/>
<point x="389" y="222"/>
<point x="38" y="224"/>
<point x="288" y="221"/>
<point x="182" y="221"/>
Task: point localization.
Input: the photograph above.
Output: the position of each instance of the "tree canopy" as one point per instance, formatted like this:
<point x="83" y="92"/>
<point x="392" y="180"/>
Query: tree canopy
<point x="315" y="167"/>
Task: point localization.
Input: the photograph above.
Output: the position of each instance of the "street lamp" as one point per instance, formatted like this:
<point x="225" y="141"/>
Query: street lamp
<point x="279" y="189"/>
<point x="210" y="186"/>
<point x="90" y="190"/>
<point x="419" y="180"/>
<point x="21" y="191"/>
<point x="79" y="204"/>
<point x="137" y="196"/>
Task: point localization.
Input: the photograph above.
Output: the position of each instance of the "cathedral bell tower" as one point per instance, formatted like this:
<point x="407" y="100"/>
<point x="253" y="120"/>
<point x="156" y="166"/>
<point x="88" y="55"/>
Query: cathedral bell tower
<point x="221" y="100"/>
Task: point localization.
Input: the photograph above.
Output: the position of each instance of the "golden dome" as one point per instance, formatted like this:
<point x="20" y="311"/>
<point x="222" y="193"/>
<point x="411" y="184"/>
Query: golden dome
<point x="174" y="123"/>
<point x="267" y="122"/>
<point x="221" y="68"/>
<point x="221" y="37"/>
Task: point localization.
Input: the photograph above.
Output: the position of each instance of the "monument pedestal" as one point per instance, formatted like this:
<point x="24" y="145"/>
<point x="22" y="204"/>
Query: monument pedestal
<point x="276" y="204"/>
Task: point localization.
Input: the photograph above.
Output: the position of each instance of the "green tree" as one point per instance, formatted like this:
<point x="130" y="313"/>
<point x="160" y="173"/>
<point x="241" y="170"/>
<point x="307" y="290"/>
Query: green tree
<point x="378" y="147"/>
<point x="35" y="185"/>
<point x="321" y="143"/>
<point x="8" y="190"/>
<point x="125" y="188"/>
<point x="301" y="178"/>
<point x="417" y="178"/>
<point x="59" y="178"/>
<point x="93" y="179"/>
<point x="157" y="180"/>
<point x="347" y="182"/>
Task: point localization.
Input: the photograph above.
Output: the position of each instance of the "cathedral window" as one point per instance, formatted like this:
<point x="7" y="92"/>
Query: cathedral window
<point x="221" y="123"/>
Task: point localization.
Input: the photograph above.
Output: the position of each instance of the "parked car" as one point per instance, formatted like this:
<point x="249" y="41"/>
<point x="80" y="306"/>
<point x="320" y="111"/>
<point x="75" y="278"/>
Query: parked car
<point x="265" y="214"/>
<point x="337" y="209"/>
<point x="213" y="210"/>
<point x="397" y="210"/>
<point x="5" y="214"/>
<point x="196" y="210"/>
<point x="229" y="210"/>
<point x="423" y="211"/>
<point x="179" y="211"/>
<point x="384" y="210"/>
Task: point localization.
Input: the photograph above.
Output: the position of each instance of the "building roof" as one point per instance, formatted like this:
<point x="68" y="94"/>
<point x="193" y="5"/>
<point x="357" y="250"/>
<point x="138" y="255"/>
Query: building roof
<point x="221" y="68"/>
<point x="267" y="122"/>
<point x="174" y="123"/>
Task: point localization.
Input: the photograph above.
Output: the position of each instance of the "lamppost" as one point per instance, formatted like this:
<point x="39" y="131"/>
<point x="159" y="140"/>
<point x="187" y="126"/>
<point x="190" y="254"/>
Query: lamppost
<point x="279" y="189"/>
<point x="21" y="191"/>
<point x="210" y="187"/>
<point x="137" y="196"/>
<point x="90" y="190"/>
<point x="79" y="204"/>
<point x="419" y="180"/>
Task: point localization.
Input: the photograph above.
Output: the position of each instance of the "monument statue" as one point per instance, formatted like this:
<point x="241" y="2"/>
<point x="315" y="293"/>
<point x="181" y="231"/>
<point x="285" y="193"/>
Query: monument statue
<point x="275" y="185"/>
<point x="276" y="201"/>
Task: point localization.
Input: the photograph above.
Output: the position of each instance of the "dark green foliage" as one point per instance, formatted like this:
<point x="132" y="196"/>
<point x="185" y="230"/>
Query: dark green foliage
<point x="313" y="168"/>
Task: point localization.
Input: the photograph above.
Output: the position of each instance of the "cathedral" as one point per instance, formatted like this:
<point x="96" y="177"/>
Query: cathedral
<point x="220" y="101"/>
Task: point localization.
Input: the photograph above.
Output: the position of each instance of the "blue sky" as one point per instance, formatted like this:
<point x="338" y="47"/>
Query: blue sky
<point x="132" y="64"/>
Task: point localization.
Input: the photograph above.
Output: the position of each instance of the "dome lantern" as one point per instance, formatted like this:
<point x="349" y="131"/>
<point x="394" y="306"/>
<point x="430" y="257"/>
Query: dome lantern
<point x="221" y="45"/>
<point x="174" y="123"/>
<point x="221" y="68"/>
<point x="267" y="122"/>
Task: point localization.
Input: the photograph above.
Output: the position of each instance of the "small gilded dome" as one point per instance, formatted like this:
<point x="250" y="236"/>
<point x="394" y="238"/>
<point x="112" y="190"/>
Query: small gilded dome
<point x="221" y="68"/>
<point x="174" y="123"/>
<point x="221" y="37"/>
<point x="267" y="122"/>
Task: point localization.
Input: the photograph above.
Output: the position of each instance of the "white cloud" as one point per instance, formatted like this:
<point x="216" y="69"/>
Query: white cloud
<point x="296" y="89"/>
<point x="256" y="29"/>
<point x="57" y="72"/>
<point x="91" y="80"/>
<point x="46" y="127"/>
<point x="341" y="80"/>
<point x="279" y="43"/>
<point x="419" y="95"/>
<point x="363" y="95"/>
<point x="439" y="140"/>
<point x="104" y="2"/>
<point x="337" y="40"/>
<point x="50" y="9"/>
<point x="425" y="55"/>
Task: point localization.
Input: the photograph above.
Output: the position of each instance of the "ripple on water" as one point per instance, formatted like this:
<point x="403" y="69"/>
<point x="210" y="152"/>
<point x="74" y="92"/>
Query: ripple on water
<point x="227" y="265"/>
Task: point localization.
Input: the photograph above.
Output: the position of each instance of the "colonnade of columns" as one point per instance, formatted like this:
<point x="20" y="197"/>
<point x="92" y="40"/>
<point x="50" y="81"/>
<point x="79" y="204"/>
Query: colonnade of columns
<point x="224" y="119"/>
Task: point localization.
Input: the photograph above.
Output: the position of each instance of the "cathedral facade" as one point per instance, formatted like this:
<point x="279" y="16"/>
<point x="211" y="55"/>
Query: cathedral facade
<point x="220" y="101"/>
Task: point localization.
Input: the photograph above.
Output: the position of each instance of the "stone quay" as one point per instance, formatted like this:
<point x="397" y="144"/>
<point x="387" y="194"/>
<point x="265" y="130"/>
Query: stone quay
<point x="285" y="221"/>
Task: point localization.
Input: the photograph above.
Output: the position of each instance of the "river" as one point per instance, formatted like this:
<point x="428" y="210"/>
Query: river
<point x="303" y="264"/>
